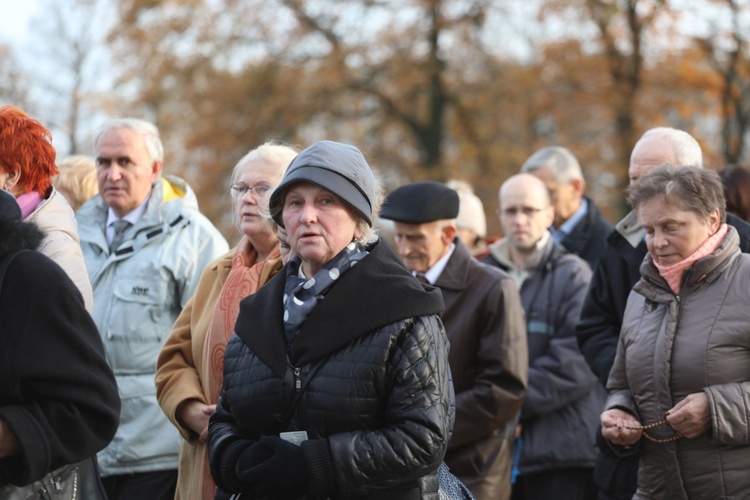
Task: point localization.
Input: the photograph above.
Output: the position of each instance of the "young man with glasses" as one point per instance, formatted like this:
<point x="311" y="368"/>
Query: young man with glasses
<point x="560" y="414"/>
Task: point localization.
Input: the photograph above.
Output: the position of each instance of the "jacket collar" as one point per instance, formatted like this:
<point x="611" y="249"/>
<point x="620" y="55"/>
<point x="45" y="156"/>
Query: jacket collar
<point x="630" y="229"/>
<point x="578" y="238"/>
<point x="707" y="269"/>
<point x="161" y="216"/>
<point x="501" y="252"/>
<point x="455" y="275"/>
<point x="18" y="235"/>
<point x="374" y="293"/>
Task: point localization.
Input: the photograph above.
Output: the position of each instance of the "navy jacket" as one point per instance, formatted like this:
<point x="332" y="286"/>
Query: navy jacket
<point x="588" y="237"/>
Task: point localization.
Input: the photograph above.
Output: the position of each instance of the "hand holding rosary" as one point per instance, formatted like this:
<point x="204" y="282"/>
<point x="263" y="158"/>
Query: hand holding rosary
<point x="651" y="438"/>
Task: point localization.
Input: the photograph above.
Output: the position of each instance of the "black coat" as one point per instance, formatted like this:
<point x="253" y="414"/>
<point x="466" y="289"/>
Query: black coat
<point x="376" y="412"/>
<point x="57" y="393"/>
<point x="599" y="330"/>
<point x="588" y="237"/>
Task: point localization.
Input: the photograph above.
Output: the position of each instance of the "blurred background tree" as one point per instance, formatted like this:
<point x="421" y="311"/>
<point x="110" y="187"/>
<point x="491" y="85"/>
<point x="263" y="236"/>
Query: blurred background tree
<point x="428" y="89"/>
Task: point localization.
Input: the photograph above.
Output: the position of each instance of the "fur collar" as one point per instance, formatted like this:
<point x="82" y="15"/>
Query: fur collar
<point x="18" y="235"/>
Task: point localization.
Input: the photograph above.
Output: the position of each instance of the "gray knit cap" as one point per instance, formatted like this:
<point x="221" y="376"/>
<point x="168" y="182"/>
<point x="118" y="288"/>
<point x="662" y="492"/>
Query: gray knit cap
<point x="339" y="168"/>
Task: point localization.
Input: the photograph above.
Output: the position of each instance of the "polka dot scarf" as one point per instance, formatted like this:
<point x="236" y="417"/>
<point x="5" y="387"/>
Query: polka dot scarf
<point x="301" y="295"/>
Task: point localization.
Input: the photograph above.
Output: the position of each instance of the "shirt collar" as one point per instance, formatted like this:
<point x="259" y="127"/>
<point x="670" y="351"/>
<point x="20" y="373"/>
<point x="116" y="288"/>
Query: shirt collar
<point x="133" y="216"/>
<point x="567" y="227"/>
<point x="436" y="270"/>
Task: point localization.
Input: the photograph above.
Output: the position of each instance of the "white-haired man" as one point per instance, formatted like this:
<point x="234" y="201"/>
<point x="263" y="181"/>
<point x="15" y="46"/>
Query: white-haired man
<point x="145" y="244"/>
<point x="618" y="270"/>
<point x="578" y="225"/>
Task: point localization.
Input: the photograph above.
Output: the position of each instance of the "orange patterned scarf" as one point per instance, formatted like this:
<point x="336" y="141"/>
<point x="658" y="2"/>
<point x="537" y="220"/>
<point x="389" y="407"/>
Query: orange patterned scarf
<point x="673" y="274"/>
<point x="242" y="280"/>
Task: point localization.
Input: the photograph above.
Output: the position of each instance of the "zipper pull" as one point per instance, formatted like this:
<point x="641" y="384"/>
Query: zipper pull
<point x="297" y="379"/>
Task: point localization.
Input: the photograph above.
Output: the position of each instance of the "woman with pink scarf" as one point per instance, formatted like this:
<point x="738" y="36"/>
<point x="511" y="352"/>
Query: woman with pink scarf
<point x="189" y="368"/>
<point x="27" y="166"/>
<point x="679" y="390"/>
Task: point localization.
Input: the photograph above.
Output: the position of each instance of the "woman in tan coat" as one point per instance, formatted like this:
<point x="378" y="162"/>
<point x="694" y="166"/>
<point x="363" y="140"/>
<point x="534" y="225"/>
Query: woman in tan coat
<point x="189" y="368"/>
<point x="679" y="390"/>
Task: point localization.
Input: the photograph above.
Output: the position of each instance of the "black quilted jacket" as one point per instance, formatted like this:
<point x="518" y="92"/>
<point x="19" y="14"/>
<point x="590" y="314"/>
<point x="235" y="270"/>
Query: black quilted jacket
<point x="376" y="412"/>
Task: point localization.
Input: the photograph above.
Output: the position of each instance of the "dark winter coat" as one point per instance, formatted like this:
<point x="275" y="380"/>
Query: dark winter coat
<point x="560" y="415"/>
<point x="485" y="325"/>
<point x="376" y="412"/>
<point x="588" y="237"/>
<point x="57" y="393"/>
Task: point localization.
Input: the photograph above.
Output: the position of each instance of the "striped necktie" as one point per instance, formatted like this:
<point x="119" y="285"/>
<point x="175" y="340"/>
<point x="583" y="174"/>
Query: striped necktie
<point x="120" y="227"/>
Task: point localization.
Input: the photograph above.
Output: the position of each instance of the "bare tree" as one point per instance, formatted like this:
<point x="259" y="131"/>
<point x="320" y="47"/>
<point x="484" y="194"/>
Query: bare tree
<point x="621" y="29"/>
<point x="69" y="34"/>
<point x="728" y="52"/>
<point x="14" y="84"/>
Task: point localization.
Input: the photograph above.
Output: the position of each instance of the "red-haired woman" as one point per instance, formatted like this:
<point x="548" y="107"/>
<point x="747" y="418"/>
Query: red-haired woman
<point x="27" y="166"/>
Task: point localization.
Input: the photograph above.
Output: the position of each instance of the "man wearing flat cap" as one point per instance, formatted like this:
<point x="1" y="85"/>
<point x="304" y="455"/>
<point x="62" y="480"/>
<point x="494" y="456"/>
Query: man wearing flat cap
<point x="485" y="326"/>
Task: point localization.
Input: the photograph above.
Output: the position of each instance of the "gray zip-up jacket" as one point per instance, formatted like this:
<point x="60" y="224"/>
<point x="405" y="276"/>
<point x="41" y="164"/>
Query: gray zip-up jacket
<point x="672" y="346"/>
<point x="139" y="291"/>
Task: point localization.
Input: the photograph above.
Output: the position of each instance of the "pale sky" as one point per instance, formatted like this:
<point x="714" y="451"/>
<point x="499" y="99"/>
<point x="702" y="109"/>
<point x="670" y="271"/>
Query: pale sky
<point x="14" y="21"/>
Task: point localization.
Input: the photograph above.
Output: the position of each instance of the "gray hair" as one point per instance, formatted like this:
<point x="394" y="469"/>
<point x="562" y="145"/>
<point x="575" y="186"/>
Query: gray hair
<point x="686" y="149"/>
<point x="147" y="130"/>
<point x="560" y="161"/>
<point x="273" y="153"/>
<point x="370" y="233"/>
<point x="470" y="208"/>
<point x="688" y="187"/>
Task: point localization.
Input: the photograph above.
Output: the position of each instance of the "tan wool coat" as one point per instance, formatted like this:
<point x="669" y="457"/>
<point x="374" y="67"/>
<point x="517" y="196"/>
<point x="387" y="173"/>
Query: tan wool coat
<point x="180" y="366"/>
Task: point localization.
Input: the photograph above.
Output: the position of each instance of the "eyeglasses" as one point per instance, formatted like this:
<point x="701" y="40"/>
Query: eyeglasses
<point x="527" y="211"/>
<point x="240" y="190"/>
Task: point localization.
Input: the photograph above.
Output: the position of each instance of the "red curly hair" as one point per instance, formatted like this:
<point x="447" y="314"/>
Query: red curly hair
<point x="26" y="146"/>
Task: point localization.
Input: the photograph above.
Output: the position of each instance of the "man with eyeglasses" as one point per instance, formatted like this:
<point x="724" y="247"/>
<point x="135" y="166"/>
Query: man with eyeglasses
<point x="484" y="323"/>
<point x="560" y="414"/>
<point x="145" y="245"/>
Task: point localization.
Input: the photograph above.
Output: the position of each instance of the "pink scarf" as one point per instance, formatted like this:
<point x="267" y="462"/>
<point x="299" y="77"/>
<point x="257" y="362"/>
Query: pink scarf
<point x="673" y="274"/>
<point x="28" y="202"/>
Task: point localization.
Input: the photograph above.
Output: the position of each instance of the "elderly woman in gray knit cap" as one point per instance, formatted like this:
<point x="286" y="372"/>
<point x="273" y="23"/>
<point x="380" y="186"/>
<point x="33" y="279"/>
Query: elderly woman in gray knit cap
<point x="336" y="381"/>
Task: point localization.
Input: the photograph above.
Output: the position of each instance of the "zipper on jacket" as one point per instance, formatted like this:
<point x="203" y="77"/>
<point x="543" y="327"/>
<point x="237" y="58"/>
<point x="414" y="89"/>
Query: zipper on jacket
<point x="297" y="378"/>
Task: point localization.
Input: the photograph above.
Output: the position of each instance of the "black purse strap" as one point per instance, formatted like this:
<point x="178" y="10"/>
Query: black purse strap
<point x="295" y="401"/>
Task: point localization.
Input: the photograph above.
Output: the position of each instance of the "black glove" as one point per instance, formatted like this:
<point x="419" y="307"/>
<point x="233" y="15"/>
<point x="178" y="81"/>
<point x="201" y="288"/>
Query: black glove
<point x="274" y="468"/>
